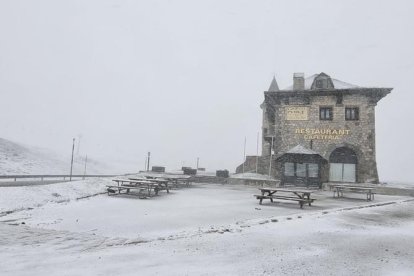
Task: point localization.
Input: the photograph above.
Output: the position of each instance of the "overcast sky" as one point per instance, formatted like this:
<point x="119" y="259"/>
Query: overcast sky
<point x="184" y="79"/>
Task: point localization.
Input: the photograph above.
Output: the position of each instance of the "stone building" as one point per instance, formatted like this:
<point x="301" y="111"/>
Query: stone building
<point x="319" y="129"/>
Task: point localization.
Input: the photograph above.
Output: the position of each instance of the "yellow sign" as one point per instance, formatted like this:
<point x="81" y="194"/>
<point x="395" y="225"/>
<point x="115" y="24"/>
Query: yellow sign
<point x="297" y="113"/>
<point x="322" y="134"/>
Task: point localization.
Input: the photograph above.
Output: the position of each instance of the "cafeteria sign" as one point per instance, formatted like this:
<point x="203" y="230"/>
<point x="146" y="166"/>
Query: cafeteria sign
<point x="297" y="113"/>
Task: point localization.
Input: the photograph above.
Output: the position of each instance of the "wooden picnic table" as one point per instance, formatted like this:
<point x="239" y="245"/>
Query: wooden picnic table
<point x="163" y="183"/>
<point x="177" y="179"/>
<point x="338" y="190"/>
<point x="301" y="196"/>
<point x="127" y="185"/>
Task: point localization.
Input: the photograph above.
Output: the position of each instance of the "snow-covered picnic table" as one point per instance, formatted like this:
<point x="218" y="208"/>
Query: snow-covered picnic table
<point x="338" y="190"/>
<point x="301" y="196"/>
<point x="163" y="183"/>
<point x="125" y="186"/>
<point x="174" y="179"/>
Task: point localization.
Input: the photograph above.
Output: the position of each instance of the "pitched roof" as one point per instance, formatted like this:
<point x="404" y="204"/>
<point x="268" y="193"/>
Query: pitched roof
<point x="338" y="84"/>
<point x="299" y="149"/>
<point x="273" y="85"/>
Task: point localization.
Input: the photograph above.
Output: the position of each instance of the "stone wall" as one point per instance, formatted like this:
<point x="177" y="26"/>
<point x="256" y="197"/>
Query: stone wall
<point x="360" y="138"/>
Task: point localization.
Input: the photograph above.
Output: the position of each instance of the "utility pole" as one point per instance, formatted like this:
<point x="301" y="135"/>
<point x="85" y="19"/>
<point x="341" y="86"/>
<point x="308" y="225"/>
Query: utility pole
<point x="148" y="162"/>
<point x="198" y="159"/>
<point x="271" y="155"/>
<point x="79" y="141"/>
<point x="71" y="162"/>
<point x="84" y="171"/>
<point x="244" y="152"/>
<point x="257" y="151"/>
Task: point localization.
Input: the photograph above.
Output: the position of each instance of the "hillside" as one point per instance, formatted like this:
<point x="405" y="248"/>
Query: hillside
<point x="19" y="159"/>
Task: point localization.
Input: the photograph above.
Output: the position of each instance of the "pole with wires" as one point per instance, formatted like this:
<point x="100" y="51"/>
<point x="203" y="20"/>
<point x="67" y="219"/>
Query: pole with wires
<point x="84" y="171"/>
<point x="257" y="151"/>
<point x="71" y="162"/>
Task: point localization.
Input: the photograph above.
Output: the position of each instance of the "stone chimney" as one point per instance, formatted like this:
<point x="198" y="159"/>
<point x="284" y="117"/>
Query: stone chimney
<point x="298" y="81"/>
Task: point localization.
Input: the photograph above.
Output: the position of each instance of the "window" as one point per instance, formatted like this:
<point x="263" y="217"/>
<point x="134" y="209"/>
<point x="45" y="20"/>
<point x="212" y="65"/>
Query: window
<point x="313" y="170"/>
<point x="320" y="84"/>
<point x="301" y="169"/>
<point x="351" y="113"/>
<point x="325" y="113"/>
<point x="289" y="169"/>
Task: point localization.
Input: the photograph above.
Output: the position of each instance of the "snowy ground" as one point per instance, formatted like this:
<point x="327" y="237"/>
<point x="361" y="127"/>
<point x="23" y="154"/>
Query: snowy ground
<point x="206" y="229"/>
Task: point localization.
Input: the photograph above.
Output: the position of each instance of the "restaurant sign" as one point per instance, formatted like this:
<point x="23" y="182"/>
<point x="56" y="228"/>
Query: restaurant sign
<point x="322" y="134"/>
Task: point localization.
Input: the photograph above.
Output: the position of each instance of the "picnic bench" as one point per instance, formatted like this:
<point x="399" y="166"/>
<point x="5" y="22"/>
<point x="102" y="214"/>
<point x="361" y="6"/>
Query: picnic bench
<point x="129" y="186"/>
<point x="300" y="196"/>
<point x="338" y="190"/>
<point x="162" y="183"/>
<point x="180" y="180"/>
<point x="175" y="180"/>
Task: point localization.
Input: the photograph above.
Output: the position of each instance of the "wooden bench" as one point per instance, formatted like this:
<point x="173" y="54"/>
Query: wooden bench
<point x="338" y="190"/>
<point x="125" y="189"/>
<point x="125" y="186"/>
<point x="300" y="196"/>
<point x="301" y="201"/>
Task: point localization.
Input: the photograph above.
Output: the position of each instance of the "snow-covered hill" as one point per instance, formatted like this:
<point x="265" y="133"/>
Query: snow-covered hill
<point x="19" y="159"/>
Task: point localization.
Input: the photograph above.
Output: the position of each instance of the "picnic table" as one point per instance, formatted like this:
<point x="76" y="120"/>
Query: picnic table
<point x="182" y="179"/>
<point x="163" y="183"/>
<point x="338" y="190"/>
<point x="174" y="179"/>
<point x="126" y="186"/>
<point x="301" y="196"/>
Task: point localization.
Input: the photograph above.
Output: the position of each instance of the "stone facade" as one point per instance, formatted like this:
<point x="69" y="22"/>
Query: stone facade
<point x="292" y="117"/>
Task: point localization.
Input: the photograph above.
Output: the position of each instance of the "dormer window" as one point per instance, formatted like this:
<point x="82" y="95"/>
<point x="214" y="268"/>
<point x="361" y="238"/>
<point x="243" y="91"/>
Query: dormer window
<point x="322" y="81"/>
<point x="320" y="84"/>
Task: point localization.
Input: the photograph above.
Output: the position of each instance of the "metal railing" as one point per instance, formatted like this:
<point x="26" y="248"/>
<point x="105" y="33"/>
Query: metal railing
<point x="48" y="176"/>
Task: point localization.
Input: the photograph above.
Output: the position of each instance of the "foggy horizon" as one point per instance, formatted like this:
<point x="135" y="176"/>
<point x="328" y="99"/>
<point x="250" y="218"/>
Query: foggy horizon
<point x="185" y="80"/>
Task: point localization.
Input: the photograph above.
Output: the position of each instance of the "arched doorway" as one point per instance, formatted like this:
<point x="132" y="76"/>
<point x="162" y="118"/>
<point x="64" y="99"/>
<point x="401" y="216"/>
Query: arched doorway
<point x="342" y="165"/>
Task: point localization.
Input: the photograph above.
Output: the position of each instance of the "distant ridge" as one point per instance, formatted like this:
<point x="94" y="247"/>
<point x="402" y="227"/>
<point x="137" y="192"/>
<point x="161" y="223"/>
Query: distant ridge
<point x="19" y="159"/>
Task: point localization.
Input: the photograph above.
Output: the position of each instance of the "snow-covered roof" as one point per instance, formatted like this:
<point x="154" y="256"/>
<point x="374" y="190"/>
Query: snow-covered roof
<point x="338" y="84"/>
<point x="299" y="149"/>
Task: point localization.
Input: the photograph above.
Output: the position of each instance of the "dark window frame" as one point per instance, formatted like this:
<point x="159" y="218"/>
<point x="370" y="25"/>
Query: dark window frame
<point x="323" y="113"/>
<point x="351" y="113"/>
<point x="295" y="169"/>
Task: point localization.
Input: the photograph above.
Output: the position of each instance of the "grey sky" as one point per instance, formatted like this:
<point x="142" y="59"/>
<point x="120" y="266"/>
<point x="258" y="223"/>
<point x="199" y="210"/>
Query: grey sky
<point x="185" y="78"/>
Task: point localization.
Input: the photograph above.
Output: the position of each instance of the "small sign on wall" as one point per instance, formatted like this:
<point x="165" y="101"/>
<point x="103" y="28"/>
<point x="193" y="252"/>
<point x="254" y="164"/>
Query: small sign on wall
<point x="297" y="113"/>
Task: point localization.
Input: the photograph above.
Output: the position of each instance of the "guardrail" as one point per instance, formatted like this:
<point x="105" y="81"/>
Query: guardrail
<point x="44" y="176"/>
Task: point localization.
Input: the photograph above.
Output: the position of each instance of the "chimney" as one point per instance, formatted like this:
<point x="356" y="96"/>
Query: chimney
<point x="298" y="81"/>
